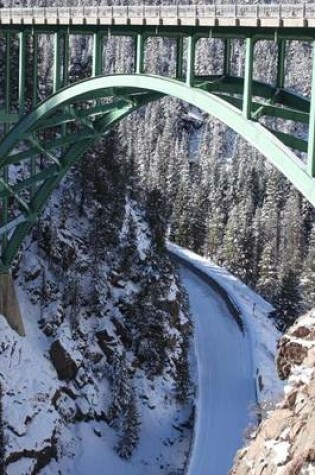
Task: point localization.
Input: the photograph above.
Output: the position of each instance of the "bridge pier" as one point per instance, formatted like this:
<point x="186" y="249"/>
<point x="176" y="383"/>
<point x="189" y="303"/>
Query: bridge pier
<point x="311" y="131"/>
<point x="139" y="59"/>
<point x="179" y="57"/>
<point x="9" y="304"/>
<point x="191" y="52"/>
<point x="248" y="78"/>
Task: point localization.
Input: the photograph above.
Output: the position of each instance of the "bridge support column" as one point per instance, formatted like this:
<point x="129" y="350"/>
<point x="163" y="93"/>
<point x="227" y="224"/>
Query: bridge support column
<point x="34" y="99"/>
<point x="22" y="51"/>
<point x="35" y="70"/>
<point x="281" y="64"/>
<point x="227" y="57"/>
<point x="311" y="130"/>
<point x="179" y="57"/>
<point x="97" y="54"/>
<point x="139" y="60"/>
<point x="7" y="103"/>
<point x="191" y="51"/>
<point x="65" y="78"/>
<point x="248" y="79"/>
<point x="9" y="305"/>
<point x="7" y="73"/>
<point x="57" y="62"/>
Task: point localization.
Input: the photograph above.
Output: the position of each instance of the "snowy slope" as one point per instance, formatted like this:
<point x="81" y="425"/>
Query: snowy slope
<point x="74" y="293"/>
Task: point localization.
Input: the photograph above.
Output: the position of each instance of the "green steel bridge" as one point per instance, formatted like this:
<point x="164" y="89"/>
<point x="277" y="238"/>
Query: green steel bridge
<point x="44" y="138"/>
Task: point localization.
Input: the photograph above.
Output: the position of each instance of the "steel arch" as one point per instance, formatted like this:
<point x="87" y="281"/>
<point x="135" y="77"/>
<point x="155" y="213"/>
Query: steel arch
<point x="134" y="91"/>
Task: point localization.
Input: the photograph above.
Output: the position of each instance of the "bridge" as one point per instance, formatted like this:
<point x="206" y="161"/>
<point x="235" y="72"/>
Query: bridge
<point x="47" y="135"/>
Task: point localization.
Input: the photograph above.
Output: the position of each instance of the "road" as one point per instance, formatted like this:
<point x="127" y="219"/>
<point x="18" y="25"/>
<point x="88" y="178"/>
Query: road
<point x="226" y="387"/>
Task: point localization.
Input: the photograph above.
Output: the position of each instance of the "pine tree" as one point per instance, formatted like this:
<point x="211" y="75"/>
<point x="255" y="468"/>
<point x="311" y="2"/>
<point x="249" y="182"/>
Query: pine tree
<point x="157" y="217"/>
<point x="120" y="389"/>
<point x="308" y="275"/>
<point x="289" y="299"/>
<point x="231" y="251"/>
<point x="129" y="439"/>
<point x="182" y="373"/>
<point x="291" y="242"/>
<point x="268" y="282"/>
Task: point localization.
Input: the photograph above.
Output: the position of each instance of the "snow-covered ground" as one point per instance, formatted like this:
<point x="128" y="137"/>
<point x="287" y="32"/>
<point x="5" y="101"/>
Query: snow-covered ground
<point x="229" y="363"/>
<point x="66" y="424"/>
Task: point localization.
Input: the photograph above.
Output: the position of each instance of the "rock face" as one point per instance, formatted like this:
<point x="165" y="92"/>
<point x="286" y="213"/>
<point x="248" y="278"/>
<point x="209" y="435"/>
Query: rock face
<point x="284" y="443"/>
<point x="65" y="366"/>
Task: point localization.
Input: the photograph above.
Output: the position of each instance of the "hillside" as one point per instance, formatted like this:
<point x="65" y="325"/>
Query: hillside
<point x="284" y="443"/>
<point x="103" y="372"/>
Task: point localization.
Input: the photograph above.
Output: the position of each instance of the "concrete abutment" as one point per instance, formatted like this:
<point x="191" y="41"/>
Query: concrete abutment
<point x="9" y="304"/>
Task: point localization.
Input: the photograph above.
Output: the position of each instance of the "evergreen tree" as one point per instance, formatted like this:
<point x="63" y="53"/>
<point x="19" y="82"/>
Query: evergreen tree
<point x="308" y="275"/>
<point x="157" y="217"/>
<point x="289" y="299"/>
<point x="182" y="373"/>
<point x="129" y="439"/>
<point x="268" y="282"/>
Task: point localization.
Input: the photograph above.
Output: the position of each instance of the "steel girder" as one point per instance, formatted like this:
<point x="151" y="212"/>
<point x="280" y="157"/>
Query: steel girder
<point x="56" y="134"/>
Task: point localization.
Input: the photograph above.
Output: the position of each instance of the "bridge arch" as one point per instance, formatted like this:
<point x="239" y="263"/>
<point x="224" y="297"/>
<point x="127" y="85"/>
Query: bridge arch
<point x="96" y="117"/>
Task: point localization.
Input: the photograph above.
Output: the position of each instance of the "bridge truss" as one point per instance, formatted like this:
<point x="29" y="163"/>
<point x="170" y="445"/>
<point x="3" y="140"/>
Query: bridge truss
<point x="42" y="140"/>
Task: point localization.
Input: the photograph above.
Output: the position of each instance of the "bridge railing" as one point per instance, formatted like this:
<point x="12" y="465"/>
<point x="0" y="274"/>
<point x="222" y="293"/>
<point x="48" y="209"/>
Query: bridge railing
<point x="260" y="11"/>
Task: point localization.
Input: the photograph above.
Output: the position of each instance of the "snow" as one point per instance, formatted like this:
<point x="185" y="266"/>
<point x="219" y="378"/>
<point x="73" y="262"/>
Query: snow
<point x="254" y="310"/>
<point x="27" y="393"/>
<point x="143" y="234"/>
<point x="280" y="451"/>
<point x="30" y="381"/>
<point x="21" y="467"/>
<point x="226" y="389"/>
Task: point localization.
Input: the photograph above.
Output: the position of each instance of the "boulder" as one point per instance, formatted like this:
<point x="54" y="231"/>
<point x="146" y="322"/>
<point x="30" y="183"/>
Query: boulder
<point x="65" y="366"/>
<point x="107" y="344"/>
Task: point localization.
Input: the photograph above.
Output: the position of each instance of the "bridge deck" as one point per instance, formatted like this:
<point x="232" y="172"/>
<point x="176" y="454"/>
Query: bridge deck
<point x="268" y="16"/>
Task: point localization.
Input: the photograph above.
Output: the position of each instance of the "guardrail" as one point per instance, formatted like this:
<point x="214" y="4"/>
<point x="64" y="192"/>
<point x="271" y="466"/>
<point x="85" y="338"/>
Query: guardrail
<point x="262" y="11"/>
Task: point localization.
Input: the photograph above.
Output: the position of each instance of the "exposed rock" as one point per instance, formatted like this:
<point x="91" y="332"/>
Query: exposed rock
<point x="290" y="353"/>
<point x="285" y="442"/>
<point x="41" y="457"/>
<point x="65" y="366"/>
<point x="107" y="344"/>
<point x="122" y="332"/>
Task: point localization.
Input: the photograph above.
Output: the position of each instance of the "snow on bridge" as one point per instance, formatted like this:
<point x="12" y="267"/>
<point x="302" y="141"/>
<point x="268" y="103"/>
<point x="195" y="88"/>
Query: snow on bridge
<point x="263" y="15"/>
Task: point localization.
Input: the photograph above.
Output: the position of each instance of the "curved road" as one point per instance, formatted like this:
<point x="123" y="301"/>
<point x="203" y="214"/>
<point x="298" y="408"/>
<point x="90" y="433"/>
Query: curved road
<point x="226" y="387"/>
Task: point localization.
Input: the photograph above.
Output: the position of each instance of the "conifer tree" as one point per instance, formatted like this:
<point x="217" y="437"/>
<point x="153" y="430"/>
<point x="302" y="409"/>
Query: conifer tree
<point x="308" y="275"/>
<point x="129" y="439"/>
<point x="289" y="299"/>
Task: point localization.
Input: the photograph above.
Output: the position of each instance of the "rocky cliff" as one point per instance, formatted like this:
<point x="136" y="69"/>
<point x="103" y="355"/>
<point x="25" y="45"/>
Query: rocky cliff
<point x="284" y="443"/>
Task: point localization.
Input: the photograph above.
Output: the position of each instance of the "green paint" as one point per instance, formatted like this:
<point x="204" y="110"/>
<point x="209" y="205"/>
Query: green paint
<point x="66" y="56"/>
<point x="281" y="64"/>
<point x="248" y="78"/>
<point x="97" y="54"/>
<point x="228" y="98"/>
<point x="190" y="67"/>
<point x="179" y="57"/>
<point x="57" y="62"/>
<point x="311" y="133"/>
<point x="227" y="57"/>
<point x="22" y="77"/>
<point x="139" y="50"/>
<point x="35" y="70"/>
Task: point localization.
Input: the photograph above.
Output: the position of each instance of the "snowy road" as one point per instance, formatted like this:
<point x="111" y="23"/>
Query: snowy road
<point x="226" y="388"/>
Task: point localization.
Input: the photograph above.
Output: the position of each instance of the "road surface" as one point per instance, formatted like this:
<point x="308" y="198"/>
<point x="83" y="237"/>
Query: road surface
<point x="226" y="387"/>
